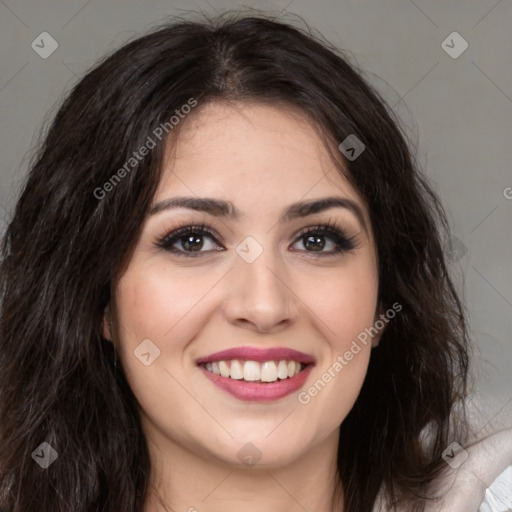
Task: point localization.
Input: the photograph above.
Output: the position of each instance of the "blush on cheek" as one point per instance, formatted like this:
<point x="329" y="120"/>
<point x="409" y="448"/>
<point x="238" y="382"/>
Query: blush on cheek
<point x="144" y="306"/>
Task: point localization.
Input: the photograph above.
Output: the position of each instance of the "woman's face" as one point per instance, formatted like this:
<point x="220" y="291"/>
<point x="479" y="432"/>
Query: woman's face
<point x="265" y="279"/>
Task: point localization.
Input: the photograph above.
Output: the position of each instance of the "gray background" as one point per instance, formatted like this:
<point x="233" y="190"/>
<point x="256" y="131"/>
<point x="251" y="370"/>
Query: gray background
<point x="457" y="110"/>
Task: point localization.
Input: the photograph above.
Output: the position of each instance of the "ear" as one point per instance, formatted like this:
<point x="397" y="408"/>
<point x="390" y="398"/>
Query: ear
<point x="376" y="338"/>
<point x="379" y="324"/>
<point x="107" y="333"/>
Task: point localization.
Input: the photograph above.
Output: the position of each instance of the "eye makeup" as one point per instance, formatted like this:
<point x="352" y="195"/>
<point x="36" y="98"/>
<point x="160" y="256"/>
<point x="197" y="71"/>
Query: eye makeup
<point x="191" y="239"/>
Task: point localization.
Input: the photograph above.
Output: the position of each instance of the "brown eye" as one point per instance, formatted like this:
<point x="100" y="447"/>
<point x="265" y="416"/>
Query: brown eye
<point x="189" y="241"/>
<point x="314" y="242"/>
<point x="316" y="239"/>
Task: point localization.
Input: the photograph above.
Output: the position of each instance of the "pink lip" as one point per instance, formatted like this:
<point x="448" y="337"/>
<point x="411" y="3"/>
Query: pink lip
<point x="259" y="392"/>
<point x="259" y="355"/>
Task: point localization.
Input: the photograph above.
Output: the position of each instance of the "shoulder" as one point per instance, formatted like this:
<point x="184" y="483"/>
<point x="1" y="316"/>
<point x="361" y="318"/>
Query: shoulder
<point x="498" y="497"/>
<point x="478" y="477"/>
<point x="477" y="474"/>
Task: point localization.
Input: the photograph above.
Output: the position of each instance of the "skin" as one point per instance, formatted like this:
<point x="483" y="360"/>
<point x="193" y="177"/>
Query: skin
<point x="261" y="158"/>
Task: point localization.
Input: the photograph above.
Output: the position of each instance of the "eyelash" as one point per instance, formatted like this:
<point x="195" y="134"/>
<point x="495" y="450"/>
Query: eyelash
<point x="336" y="233"/>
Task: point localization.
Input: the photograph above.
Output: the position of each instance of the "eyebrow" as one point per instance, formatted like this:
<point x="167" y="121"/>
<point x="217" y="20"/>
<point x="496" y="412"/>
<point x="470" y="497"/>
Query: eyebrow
<point x="221" y="208"/>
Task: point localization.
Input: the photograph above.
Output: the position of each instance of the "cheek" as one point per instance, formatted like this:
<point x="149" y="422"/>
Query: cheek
<point x="150" y="306"/>
<point x="151" y="301"/>
<point x="344" y="308"/>
<point x="344" y="304"/>
<point x="332" y="393"/>
<point x="157" y="304"/>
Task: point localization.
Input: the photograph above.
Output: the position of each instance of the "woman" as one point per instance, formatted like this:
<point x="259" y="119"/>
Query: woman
<point x="224" y="289"/>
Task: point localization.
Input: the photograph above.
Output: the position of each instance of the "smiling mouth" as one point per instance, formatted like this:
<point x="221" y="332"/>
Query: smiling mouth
<point x="264" y="372"/>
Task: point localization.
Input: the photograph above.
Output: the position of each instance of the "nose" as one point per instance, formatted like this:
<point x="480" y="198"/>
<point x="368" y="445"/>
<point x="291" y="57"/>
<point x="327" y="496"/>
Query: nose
<point x="260" y="295"/>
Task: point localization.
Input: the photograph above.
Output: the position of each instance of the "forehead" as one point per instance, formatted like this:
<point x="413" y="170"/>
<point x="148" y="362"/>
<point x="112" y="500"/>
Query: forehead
<point x="234" y="130"/>
<point x="252" y="154"/>
<point x="239" y="120"/>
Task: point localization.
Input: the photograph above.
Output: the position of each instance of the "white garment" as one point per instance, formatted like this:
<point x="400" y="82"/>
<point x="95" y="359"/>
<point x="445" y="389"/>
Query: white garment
<point x="481" y="480"/>
<point x="498" y="497"/>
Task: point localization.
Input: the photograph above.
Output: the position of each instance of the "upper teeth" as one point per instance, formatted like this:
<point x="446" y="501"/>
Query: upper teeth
<point x="268" y="371"/>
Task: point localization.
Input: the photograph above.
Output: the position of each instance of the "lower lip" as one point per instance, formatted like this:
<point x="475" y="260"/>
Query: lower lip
<point x="256" y="391"/>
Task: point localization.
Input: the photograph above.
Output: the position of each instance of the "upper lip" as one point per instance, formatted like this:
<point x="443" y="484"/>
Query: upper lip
<point x="258" y="354"/>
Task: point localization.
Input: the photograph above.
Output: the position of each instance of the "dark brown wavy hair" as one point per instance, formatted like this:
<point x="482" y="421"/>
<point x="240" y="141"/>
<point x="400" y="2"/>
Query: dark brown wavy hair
<point x="64" y="250"/>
